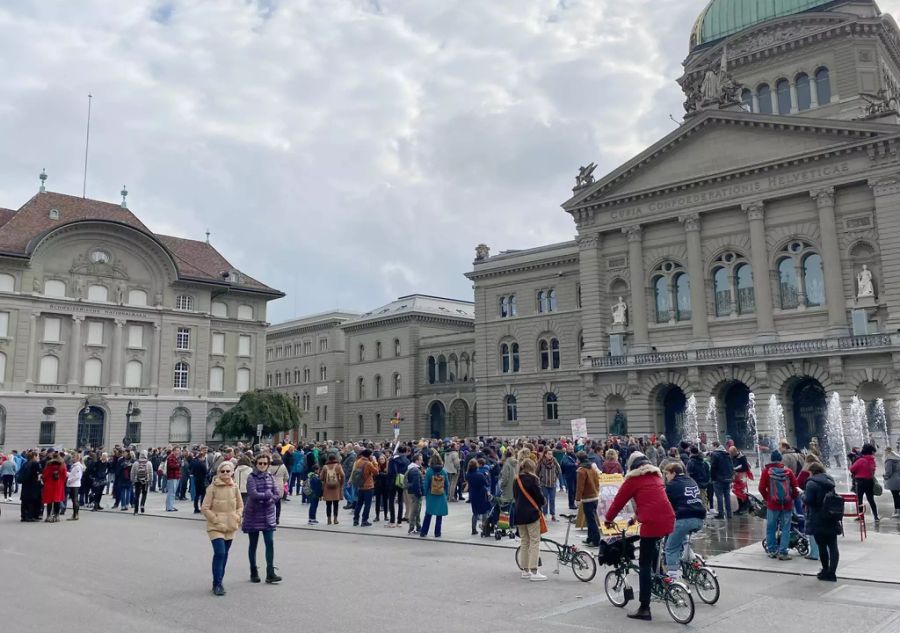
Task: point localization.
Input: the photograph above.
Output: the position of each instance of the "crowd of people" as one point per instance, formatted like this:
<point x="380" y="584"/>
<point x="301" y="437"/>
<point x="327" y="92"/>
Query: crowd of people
<point x="242" y="488"/>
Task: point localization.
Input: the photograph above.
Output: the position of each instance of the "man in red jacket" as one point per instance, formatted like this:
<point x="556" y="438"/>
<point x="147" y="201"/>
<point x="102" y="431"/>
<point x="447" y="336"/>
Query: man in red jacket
<point x="644" y="484"/>
<point x="778" y="486"/>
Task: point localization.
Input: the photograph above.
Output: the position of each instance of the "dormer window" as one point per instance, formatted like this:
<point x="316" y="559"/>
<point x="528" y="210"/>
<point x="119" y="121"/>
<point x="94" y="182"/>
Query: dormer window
<point x="54" y="214"/>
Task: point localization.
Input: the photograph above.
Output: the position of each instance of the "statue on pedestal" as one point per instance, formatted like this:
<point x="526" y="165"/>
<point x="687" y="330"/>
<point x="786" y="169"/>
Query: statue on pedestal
<point x="620" y="313"/>
<point x="864" y="281"/>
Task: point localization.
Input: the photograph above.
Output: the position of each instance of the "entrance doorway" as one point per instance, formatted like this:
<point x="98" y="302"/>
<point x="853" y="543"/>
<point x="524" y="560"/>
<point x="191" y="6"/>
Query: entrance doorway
<point x="809" y="411"/>
<point x="671" y="404"/>
<point x="737" y="399"/>
<point x="437" y="416"/>
<point x="91" y="425"/>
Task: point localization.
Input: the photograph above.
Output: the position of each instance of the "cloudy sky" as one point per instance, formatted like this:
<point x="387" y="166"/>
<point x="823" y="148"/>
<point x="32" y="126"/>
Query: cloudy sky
<point x="343" y="151"/>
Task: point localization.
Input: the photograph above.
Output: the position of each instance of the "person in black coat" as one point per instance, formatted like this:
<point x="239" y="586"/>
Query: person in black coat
<point x="824" y="528"/>
<point x="30" y="480"/>
<point x="569" y="467"/>
<point x="527" y="517"/>
<point x="698" y="470"/>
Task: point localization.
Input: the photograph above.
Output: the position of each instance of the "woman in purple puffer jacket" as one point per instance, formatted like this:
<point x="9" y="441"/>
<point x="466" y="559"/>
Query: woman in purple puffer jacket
<point x="259" y="516"/>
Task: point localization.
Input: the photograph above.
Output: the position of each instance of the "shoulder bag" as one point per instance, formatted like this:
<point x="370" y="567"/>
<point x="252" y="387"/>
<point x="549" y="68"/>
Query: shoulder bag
<point x="533" y="505"/>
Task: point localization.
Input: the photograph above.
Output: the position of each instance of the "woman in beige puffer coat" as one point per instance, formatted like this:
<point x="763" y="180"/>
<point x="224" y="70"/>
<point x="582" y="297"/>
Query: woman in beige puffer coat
<point x="223" y="509"/>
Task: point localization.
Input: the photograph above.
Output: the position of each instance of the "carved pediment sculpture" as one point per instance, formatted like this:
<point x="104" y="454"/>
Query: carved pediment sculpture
<point x="112" y="269"/>
<point x="585" y="176"/>
<point x="882" y="102"/>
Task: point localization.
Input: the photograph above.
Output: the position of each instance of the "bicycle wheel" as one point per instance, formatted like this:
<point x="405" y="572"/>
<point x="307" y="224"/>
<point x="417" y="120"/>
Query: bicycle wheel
<point x="679" y="603"/>
<point x="584" y="566"/>
<point x="803" y="547"/>
<point x="707" y="585"/>
<point x="519" y="558"/>
<point x="615" y="585"/>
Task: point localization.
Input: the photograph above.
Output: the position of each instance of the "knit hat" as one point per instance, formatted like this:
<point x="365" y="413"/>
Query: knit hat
<point x="143" y="454"/>
<point x="634" y="458"/>
<point x="775" y="456"/>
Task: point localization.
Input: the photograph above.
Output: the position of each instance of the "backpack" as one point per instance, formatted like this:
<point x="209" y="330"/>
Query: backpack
<point x="143" y="472"/>
<point x="356" y="477"/>
<point x="308" y="489"/>
<point x="833" y="505"/>
<point x="437" y="485"/>
<point x="331" y="478"/>
<point x="780" y="486"/>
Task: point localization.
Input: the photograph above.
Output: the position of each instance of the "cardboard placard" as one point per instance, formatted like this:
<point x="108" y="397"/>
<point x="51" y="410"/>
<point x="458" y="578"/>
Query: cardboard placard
<point x="609" y="488"/>
<point x="579" y="428"/>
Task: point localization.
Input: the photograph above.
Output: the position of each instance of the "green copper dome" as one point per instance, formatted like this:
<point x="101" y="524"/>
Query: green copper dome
<point x="722" y="18"/>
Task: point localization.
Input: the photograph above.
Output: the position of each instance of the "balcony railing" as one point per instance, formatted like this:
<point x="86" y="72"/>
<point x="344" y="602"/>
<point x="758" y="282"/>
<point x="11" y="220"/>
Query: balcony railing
<point x="93" y="389"/>
<point x="47" y="388"/>
<point x="762" y="351"/>
<point x="136" y="391"/>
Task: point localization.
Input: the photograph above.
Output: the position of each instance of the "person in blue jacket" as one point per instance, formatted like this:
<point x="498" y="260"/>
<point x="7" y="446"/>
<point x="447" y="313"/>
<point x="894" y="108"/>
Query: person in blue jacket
<point x="569" y="466"/>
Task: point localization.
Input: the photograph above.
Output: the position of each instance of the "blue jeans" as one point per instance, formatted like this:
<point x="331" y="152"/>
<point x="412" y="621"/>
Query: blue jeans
<point x="676" y="540"/>
<point x="723" y="493"/>
<point x="550" y="500"/>
<point x="363" y="504"/>
<point x="171" y="489"/>
<point x="220" y="559"/>
<point x="349" y="494"/>
<point x="774" y="520"/>
<point x="124" y="494"/>
<point x="313" y="506"/>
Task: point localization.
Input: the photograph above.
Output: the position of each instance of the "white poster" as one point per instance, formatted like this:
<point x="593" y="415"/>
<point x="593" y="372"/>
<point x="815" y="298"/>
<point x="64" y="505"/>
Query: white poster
<point x="579" y="428"/>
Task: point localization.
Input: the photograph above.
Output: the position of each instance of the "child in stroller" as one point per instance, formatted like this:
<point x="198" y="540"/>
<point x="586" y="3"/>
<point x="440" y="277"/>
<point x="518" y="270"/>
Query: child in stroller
<point x="498" y="523"/>
<point x="799" y="541"/>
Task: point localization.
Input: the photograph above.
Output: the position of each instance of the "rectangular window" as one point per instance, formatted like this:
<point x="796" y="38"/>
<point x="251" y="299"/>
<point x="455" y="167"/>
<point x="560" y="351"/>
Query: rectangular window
<point x="307" y="347"/>
<point x="136" y="336"/>
<point x="4" y="324"/>
<point x="95" y="332"/>
<point x="323" y="344"/>
<point x="243" y="345"/>
<point x="183" y="338"/>
<point x="48" y="433"/>
<point x="218" y="343"/>
<point x="325" y="413"/>
<point x="318" y="414"/>
<point x="133" y="431"/>
<point x="51" y="329"/>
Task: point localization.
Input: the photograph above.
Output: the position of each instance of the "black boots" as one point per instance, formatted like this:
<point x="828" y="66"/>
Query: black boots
<point x="271" y="576"/>
<point x="254" y="574"/>
<point x="218" y="590"/>
<point x="643" y="613"/>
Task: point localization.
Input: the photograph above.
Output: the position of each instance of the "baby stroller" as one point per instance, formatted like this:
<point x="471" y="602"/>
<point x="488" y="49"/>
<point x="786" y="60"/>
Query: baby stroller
<point x="799" y="541"/>
<point x="498" y="523"/>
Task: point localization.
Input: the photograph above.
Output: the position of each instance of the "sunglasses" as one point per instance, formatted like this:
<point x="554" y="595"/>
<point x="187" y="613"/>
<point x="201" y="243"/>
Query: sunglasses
<point x="262" y="463"/>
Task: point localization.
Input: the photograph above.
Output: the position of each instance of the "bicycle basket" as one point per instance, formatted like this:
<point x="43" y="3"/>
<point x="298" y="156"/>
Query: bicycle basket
<point x="614" y="550"/>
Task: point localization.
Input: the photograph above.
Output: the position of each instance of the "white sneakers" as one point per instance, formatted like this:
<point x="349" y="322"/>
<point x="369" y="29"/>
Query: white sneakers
<point x="538" y="577"/>
<point x="526" y="575"/>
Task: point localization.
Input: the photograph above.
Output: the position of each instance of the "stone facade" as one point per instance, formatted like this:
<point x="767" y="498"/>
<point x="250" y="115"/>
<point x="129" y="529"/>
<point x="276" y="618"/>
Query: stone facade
<point x="306" y="359"/>
<point x="99" y="316"/>
<point x="736" y="243"/>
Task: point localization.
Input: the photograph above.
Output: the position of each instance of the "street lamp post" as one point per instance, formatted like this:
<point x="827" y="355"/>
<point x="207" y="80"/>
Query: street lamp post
<point x="128" y="413"/>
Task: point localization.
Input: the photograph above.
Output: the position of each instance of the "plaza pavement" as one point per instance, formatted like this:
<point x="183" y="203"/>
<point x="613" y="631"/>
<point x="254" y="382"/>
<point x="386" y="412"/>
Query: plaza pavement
<point x="114" y="571"/>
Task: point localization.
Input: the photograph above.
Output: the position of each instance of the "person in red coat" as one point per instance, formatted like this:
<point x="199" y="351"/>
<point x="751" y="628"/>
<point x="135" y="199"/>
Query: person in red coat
<point x="644" y="484"/>
<point x="863" y="471"/>
<point x="54" y="492"/>
<point x="775" y="481"/>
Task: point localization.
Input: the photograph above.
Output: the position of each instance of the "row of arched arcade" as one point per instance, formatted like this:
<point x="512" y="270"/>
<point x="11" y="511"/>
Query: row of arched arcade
<point x="457" y="420"/>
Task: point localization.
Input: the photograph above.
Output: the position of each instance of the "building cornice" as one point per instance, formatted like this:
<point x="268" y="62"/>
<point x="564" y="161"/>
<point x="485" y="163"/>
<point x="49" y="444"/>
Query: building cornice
<point x="418" y="317"/>
<point x="522" y="267"/>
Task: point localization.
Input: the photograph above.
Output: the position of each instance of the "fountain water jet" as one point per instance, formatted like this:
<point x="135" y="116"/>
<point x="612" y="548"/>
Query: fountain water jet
<point x="858" y="424"/>
<point x="881" y="423"/>
<point x="753" y="427"/>
<point x="834" y="429"/>
<point x="775" y="418"/>
<point x="712" y="417"/>
<point x="691" y="422"/>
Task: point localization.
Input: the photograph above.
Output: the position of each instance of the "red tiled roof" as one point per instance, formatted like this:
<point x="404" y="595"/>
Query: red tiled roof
<point x="195" y="259"/>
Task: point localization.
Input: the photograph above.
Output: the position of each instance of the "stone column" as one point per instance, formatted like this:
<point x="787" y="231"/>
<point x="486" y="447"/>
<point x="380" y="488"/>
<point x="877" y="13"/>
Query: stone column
<point x="154" y="360"/>
<point x="755" y="98"/>
<point x="773" y="97"/>
<point x="31" y="361"/>
<point x="886" y="192"/>
<point x="795" y="107"/>
<point x="638" y="307"/>
<point x="831" y="263"/>
<point x="118" y="352"/>
<point x="74" y="382"/>
<point x="813" y="92"/>
<point x="699" y="318"/>
<point x="592" y="317"/>
<point x="762" y="280"/>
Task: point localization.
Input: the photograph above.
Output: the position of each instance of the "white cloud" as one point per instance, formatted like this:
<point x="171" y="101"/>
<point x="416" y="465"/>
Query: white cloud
<point x="345" y="151"/>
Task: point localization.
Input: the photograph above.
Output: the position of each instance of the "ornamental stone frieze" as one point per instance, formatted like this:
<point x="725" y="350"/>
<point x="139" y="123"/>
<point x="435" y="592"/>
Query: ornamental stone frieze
<point x="885" y="185"/>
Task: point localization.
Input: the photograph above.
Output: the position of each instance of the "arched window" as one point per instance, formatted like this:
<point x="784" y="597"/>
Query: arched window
<point x="661" y="294"/>
<point x="514" y="351"/>
<point x="93" y="370"/>
<point x="747" y="99"/>
<point x="541" y="301"/>
<point x="464" y="367"/>
<point x="306" y="375"/>
<point x="396" y="381"/>
<point x="134" y="374"/>
<point x="137" y="298"/>
<point x="551" y="407"/>
<point x="48" y="373"/>
<point x="180" y="426"/>
<point x="512" y="409"/>
<point x="323" y="372"/>
<point x="682" y="297"/>
<point x="544" y="353"/>
<point x="453" y="368"/>
<point x="505" y="359"/>
<point x="723" y="292"/>
<point x="243" y="380"/>
<point x="378" y="349"/>
<point x="551" y="301"/>
<point x="764" y="98"/>
<point x="360" y="388"/>
<point x="362" y="353"/>
<point x="54" y="288"/>
<point x="813" y="280"/>
<point x="7" y="283"/>
<point x="504" y="307"/>
<point x="181" y="375"/>
<point x="783" y="92"/>
<point x="823" y="86"/>
<point x="306" y="401"/>
<point x="219" y="309"/>
<point x="396" y="348"/>
<point x="787" y="282"/>
<point x="217" y="379"/>
<point x="245" y="313"/>
<point x="554" y="353"/>
<point x="743" y="280"/>
<point x="361" y="425"/>
<point x="804" y="96"/>
<point x="441" y="369"/>
<point x="378" y="386"/>
<point x="512" y="305"/>
<point x="97" y="292"/>
<point x="184" y="302"/>
<point x="432" y="370"/>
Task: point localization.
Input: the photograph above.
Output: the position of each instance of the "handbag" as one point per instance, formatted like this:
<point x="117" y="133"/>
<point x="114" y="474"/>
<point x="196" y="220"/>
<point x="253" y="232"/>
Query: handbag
<point x="877" y="489"/>
<point x="534" y="505"/>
